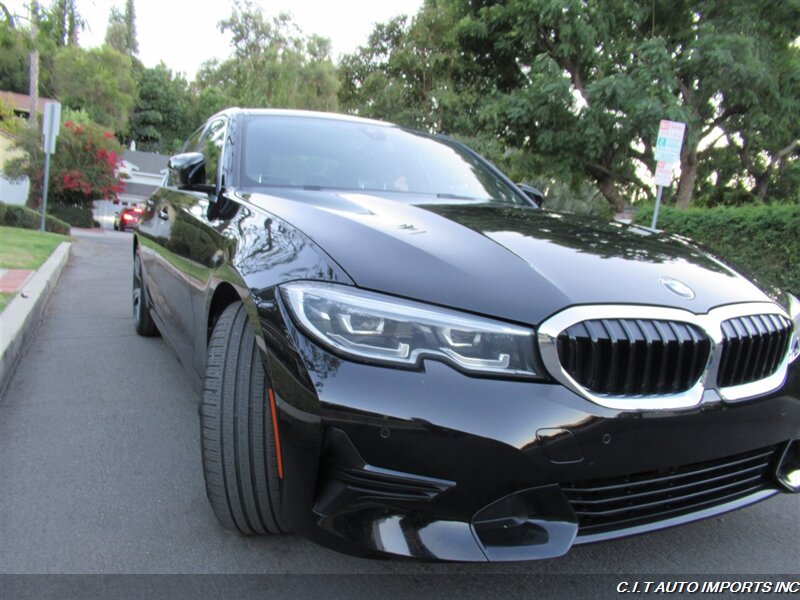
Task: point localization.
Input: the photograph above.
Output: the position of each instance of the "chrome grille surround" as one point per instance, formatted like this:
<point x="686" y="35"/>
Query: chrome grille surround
<point x="710" y="323"/>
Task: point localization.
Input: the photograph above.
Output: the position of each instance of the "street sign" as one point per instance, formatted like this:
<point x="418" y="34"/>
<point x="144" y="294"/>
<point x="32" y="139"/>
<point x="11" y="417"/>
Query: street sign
<point x="664" y="173"/>
<point x="667" y="153"/>
<point x="669" y="141"/>
<point x="51" y="122"/>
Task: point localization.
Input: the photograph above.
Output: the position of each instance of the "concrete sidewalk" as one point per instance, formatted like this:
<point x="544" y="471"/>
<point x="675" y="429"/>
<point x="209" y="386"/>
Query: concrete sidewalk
<point x="19" y="319"/>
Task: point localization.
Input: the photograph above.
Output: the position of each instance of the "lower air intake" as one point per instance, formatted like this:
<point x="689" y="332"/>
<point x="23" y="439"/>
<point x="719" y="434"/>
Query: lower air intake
<point x="609" y="505"/>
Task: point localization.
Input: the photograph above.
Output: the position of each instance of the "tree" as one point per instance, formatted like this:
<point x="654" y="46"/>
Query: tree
<point x="210" y="100"/>
<point x="98" y="81"/>
<point x="578" y="88"/>
<point x="130" y="27"/>
<point x="83" y="168"/>
<point x="33" y="61"/>
<point x="164" y="114"/>
<point x="414" y="73"/>
<point x="13" y="58"/>
<point x="41" y="32"/>
<point x="121" y="30"/>
<point x="62" y="23"/>
<point x="116" y="32"/>
<point x="584" y="84"/>
<point x="273" y="64"/>
<point x="9" y="122"/>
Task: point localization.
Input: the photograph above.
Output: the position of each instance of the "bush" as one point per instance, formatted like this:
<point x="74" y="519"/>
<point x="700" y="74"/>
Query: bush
<point x="84" y="168"/>
<point x="12" y="215"/>
<point x="761" y="241"/>
<point x="77" y="216"/>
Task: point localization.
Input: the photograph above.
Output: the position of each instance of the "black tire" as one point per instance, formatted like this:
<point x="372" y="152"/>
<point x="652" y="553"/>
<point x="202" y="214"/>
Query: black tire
<point x="142" y="321"/>
<point x="238" y="445"/>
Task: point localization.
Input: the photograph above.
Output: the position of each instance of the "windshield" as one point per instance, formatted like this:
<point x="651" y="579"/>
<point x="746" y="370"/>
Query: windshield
<point x="315" y="153"/>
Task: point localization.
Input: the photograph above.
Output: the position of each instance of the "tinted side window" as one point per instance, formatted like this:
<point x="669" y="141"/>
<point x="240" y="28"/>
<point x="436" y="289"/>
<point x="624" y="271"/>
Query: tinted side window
<point x="190" y="144"/>
<point x="211" y="145"/>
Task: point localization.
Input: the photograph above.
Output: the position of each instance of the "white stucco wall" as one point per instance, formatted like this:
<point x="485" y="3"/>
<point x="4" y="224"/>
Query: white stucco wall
<point x="13" y="193"/>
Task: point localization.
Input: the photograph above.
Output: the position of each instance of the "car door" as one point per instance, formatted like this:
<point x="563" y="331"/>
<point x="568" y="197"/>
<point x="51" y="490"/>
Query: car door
<point x="167" y="236"/>
<point x="204" y="236"/>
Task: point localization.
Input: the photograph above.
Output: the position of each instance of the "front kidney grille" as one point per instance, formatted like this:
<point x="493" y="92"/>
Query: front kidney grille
<point x="753" y="348"/>
<point x="634" y="357"/>
<point x="614" y="504"/>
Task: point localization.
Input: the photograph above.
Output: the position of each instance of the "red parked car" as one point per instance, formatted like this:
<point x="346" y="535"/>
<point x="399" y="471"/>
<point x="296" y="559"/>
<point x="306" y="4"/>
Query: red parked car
<point x="127" y="218"/>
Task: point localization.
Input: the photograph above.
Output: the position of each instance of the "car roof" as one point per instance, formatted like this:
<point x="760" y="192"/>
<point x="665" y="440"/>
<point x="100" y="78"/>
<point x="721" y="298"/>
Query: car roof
<point x="281" y="112"/>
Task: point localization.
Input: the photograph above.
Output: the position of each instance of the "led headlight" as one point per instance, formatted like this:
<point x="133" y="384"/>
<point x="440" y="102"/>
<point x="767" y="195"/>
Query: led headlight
<point x="378" y="328"/>
<point x="794" y="313"/>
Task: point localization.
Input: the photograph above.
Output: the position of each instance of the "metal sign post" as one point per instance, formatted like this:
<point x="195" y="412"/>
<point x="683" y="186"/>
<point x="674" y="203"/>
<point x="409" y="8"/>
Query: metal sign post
<point x="51" y="123"/>
<point x="667" y="153"/>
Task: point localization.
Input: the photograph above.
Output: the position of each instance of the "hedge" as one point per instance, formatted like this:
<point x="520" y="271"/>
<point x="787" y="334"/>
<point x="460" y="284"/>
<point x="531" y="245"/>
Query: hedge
<point x="76" y="216"/>
<point x="761" y="241"/>
<point x="13" y="215"/>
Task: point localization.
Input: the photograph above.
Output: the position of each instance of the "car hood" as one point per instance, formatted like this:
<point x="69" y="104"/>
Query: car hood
<point x="517" y="263"/>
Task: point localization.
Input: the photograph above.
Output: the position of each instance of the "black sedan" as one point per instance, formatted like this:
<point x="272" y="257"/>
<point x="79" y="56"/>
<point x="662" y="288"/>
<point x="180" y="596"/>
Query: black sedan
<point x="402" y="355"/>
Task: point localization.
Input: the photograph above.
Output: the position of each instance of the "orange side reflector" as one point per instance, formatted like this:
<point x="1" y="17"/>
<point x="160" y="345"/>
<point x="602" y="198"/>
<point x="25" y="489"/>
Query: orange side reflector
<point x="275" y="432"/>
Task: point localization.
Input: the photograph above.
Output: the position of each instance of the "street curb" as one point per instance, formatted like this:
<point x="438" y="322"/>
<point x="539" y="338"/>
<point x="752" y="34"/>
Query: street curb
<point x="19" y="319"/>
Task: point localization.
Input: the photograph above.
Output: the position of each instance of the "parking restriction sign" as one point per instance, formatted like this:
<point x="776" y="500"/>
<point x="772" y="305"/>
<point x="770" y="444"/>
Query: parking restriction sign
<point x="669" y="141"/>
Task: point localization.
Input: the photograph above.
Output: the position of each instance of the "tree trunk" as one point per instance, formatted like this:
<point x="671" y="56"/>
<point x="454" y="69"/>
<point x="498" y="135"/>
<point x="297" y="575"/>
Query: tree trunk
<point x="688" y="176"/>
<point x="33" y="87"/>
<point x="611" y="193"/>
<point x="762" y="185"/>
<point x="33" y="80"/>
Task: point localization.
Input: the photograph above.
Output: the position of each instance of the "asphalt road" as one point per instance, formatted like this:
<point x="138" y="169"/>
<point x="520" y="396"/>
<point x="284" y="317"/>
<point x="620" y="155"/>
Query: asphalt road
<point x="100" y="467"/>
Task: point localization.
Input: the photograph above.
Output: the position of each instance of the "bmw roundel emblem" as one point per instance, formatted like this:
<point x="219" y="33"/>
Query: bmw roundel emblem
<point x="677" y="287"/>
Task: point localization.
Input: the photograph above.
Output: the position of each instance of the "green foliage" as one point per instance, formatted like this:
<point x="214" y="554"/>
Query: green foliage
<point x="82" y="169"/>
<point x="413" y="74"/>
<point x="57" y="26"/>
<point x="164" y="115"/>
<point x="579" y="88"/>
<point x="121" y="30"/>
<point x="9" y="122"/>
<point x="130" y="27"/>
<point x="13" y="59"/>
<point x="61" y="23"/>
<point x="273" y="64"/>
<point x="761" y="241"/>
<point x="116" y="33"/>
<point x="12" y="215"/>
<point x="76" y="216"/>
<point x="210" y="100"/>
<point x="99" y="81"/>
<point x="583" y="84"/>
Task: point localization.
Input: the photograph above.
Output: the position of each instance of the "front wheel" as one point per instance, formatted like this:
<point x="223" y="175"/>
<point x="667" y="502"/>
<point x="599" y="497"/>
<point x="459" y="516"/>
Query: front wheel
<point x="236" y="428"/>
<point x="142" y="321"/>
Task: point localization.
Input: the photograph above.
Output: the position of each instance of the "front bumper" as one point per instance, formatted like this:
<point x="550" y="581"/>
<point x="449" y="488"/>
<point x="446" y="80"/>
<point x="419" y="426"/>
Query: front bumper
<point x="434" y="464"/>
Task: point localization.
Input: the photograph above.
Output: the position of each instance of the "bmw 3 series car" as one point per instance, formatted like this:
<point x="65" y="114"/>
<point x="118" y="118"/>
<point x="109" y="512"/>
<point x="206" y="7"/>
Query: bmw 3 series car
<point x="402" y="355"/>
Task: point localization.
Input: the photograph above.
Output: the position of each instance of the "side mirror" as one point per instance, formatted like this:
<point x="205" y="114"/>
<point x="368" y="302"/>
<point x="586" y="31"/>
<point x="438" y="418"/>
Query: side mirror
<point x="189" y="170"/>
<point x="532" y="193"/>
